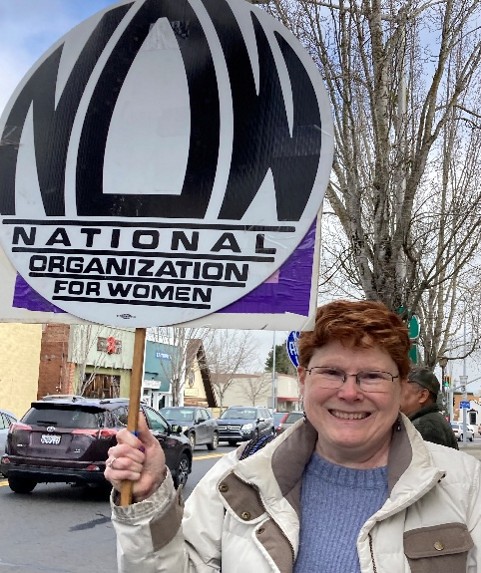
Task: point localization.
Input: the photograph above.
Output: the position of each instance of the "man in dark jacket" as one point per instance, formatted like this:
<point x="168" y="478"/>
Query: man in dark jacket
<point x="418" y="402"/>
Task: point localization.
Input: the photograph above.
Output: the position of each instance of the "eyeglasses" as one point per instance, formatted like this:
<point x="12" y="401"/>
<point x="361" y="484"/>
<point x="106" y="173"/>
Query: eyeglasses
<point x="367" y="380"/>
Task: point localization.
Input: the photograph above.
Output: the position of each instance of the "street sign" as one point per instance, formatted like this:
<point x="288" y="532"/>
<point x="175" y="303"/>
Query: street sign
<point x="414" y="353"/>
<point x="139" y="185"/>
<point x="412" y="323"/>
<point x="291" y="347"/>
<point x="464" y="405"/>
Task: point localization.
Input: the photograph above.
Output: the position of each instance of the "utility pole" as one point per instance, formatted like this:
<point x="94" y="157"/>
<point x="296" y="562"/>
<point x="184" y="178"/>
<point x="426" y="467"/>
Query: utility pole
<point x="443" y="361"/>
<point x="274" y="385"/>
<point x="464" y="379"/>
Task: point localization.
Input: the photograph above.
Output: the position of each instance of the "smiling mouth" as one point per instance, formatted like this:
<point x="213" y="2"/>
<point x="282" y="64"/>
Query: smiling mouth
<point x="349" y="415"/>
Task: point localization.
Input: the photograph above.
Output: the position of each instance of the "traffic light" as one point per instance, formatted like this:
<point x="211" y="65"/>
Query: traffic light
<point x="447" y="381"/>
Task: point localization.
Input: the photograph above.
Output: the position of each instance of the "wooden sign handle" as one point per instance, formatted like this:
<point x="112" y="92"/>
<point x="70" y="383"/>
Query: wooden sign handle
<point x="134" y="401"/>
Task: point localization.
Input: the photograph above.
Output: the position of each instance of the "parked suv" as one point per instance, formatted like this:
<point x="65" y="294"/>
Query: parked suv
<point x="240" y="423"/>
<point x="197" y="424"/>
<point x="66" y="439"/>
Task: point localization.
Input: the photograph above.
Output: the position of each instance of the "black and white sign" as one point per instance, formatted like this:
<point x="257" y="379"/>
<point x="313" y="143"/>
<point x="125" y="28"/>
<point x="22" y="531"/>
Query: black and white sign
<point x="161" y="160"/>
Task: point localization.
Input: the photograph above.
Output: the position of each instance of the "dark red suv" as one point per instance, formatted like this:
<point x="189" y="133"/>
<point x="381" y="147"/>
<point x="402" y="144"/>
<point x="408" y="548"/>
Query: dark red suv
<point x="66" y="439"/>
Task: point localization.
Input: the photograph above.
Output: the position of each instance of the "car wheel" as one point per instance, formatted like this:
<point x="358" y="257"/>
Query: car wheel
<point x="191" y="437"/>
<point x="215" y="442"/>
<point x="21" y="485"/>
<point x="471" y="438"/>
<point x="182" y="472"/>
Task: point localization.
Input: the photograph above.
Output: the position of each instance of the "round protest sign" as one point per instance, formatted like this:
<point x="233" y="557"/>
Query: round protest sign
<point x="162" y="160"/>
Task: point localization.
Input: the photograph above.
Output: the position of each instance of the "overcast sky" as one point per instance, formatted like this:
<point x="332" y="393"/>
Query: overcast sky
<point x="29" y="27"/>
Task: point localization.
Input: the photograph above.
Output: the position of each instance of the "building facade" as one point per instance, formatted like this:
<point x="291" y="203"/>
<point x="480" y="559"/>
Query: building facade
<point x="88" y="359"/>
<point x="258" y="390"/>
<point x="19" y="360"/>
<point x="156" y="384"/>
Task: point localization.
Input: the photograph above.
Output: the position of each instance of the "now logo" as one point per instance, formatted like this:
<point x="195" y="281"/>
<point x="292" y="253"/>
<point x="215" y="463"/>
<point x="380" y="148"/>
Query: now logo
<point x="170" y="110"/>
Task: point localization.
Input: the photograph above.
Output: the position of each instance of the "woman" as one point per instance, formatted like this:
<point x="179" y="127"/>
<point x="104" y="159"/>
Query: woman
<point x="352" y="488"/>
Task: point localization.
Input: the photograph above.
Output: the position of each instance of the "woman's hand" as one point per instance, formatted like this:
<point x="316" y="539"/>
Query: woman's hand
<point x="139" y="459"/>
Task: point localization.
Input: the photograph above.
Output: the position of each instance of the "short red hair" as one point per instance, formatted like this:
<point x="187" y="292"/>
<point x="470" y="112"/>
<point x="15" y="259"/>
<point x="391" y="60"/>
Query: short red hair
<point x="363" y="324"/>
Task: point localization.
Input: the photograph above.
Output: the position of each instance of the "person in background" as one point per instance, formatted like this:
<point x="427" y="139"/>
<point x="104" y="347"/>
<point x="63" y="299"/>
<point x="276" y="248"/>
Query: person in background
<point x="419" y="402"/>
<point x="351" y="488"/>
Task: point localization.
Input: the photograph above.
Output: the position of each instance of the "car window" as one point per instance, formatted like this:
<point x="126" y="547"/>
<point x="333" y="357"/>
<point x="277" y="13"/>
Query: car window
<point x="203" y="415"/>
<point x="3" y="422"/>
<point x="240" y="414"/>
<point x="155" y="421"/>
<point x="178" y="414"/>
<point x="120" y="416"/>
<point x="63" y="418"/>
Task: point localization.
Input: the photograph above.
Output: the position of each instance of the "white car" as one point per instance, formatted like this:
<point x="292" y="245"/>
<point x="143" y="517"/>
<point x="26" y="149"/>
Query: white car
<point x="6" y="420"/>
<point x="458" y="431"/>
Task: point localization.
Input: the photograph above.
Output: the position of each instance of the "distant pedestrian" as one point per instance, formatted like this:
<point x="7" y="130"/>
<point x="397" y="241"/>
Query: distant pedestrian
<point x="419" y="402"/>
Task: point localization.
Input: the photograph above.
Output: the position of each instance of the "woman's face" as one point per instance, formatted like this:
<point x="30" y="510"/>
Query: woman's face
<point x="354" y="427"/>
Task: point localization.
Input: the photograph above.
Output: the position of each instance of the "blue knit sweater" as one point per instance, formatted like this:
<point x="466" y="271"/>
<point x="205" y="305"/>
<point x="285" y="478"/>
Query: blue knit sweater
<point x="335" y="503"/>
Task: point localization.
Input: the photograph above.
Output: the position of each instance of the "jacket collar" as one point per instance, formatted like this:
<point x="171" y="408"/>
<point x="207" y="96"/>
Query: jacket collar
<point x="290" y="452"/>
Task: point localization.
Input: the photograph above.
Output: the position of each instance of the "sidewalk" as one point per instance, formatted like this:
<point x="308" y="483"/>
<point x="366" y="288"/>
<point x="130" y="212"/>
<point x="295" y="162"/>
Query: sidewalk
<point x="473" y="448"/>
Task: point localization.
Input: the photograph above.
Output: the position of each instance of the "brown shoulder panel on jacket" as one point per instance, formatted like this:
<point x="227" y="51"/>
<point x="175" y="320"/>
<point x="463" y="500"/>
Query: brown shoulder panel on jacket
<point x="242" y="498"/>
<point x="277" y="545"/>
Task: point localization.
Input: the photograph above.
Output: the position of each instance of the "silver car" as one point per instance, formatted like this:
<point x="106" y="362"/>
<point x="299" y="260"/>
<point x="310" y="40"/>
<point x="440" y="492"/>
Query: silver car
<point x="458" y="431"/>
<point x="6" y="420"/>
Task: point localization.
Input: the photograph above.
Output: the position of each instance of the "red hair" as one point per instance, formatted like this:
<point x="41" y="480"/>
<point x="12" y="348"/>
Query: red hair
<point x="363" y="324"/>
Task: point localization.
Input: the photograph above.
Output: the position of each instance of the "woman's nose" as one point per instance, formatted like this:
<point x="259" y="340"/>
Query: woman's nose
<point x="350" y="388"/>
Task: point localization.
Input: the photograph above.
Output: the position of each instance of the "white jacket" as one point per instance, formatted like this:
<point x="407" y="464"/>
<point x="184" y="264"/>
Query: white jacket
<point x="243" y="516"/>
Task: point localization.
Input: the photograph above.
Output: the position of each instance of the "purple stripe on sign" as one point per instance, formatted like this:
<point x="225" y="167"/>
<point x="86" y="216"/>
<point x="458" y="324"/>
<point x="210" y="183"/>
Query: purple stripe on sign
<point x="25" y="297"/>
<point x="288" y="290"/>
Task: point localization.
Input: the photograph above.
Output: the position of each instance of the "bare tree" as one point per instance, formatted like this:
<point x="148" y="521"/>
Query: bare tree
<point x="180" y="363"/>
<point x="256" y="386"/>
<point x="403" y="78"/>
<point x="229" y="352"/>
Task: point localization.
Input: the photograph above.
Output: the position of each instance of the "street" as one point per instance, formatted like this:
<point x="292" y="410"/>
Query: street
<point x="473" y="448"/>
<point x="63" y="529"/>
